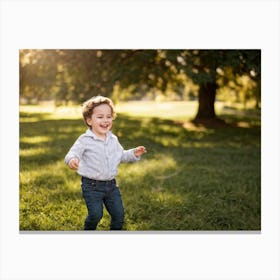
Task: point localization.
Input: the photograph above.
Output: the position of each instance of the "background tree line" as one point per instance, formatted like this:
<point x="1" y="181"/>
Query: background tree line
<point x="76" y="75"/>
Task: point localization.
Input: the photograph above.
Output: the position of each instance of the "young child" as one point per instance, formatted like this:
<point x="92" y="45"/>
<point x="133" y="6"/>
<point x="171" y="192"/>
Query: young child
<point x="96" y="155"/>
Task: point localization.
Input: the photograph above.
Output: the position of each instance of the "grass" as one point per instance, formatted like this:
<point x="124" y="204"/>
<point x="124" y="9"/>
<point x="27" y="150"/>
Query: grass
<point x="192" y="178"/>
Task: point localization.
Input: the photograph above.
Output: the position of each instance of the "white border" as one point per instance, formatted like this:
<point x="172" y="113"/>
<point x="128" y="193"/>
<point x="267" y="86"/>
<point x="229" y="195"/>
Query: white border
<point x="135" y="24"/>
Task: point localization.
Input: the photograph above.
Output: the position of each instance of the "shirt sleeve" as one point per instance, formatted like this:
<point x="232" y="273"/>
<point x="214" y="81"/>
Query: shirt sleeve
<point x="76" y="150"/>
<point x="129" y="156"/>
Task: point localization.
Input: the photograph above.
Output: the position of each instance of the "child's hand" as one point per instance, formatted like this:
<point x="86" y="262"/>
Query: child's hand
<point x="74" y="163"/>
<point x="139" y="151"/>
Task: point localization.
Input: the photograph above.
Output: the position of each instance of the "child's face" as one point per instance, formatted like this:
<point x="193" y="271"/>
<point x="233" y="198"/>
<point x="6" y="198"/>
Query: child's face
<point x="101" y="120"/>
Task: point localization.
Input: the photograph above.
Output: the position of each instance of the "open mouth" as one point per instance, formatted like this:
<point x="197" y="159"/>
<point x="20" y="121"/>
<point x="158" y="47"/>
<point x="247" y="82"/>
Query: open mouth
<point x="104" y="126"/>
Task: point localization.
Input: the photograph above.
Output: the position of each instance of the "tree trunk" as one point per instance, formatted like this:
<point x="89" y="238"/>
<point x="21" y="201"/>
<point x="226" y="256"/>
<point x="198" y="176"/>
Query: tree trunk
<point x="206" y="99"/>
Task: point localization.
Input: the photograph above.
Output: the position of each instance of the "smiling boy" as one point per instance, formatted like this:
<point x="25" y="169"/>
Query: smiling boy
<point x="95" y="156"/>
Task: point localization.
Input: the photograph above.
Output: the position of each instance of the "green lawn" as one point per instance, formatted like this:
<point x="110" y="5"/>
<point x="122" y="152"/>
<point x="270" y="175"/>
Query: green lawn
<point x="192" y="178"/>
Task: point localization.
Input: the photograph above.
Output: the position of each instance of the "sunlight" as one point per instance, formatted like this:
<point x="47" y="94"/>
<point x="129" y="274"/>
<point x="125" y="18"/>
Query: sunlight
<point x="33" y="152"/>
<point x="60" y="112"/>
<point x="192" y="127"/>
<point x="160" y="165"/>
<point x="165" y="110"/>
<point x="177" y="185"/>
<point x="167" y="198"/>
<point x="37" y="108"/>
<point x="167" y="141"/>
<point x="35" y="139"/>
<point x="243" y="124"/>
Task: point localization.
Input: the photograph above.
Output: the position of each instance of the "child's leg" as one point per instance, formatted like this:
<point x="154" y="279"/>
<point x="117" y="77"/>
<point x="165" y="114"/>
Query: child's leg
<point x="114" y="206"/>
<point x="94" y="203"/>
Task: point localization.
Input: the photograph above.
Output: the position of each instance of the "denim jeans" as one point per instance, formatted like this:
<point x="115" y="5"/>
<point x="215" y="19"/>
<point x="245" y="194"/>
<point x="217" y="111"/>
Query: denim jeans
<point x="97" y="193"/>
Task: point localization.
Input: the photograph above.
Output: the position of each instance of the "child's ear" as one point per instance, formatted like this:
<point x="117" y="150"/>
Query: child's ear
<point x="89" y="122"/>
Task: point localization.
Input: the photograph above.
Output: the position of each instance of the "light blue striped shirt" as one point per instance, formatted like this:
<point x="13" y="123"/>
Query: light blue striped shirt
<point x="99" y="159"/>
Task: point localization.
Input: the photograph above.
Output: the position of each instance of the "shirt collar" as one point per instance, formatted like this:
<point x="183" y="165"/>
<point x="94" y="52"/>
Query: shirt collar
<point x="94" y="136"/>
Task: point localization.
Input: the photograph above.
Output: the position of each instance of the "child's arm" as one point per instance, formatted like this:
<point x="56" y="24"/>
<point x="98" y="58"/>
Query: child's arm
<point x="132" y="155"/>
<point x="74" y="163"/>
<point x="139" y="151"/>
<point x="74" y="155"/>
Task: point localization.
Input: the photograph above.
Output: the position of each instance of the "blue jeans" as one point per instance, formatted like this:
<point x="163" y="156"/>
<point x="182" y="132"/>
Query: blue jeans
<point x="96" y="193"/>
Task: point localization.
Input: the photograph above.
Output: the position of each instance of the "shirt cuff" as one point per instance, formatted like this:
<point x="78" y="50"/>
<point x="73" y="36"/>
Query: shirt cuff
<point x="135" y="158"/>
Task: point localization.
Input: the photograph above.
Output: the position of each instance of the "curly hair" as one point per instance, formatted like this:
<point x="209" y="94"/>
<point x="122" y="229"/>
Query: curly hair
<point x="93" y="102"/>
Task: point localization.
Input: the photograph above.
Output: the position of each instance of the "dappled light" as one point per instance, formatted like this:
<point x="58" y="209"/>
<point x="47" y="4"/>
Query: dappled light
<point x="193" y="177"/>
<point x="156" y="166"/>
<point x="167" y="110"/>
<point x="197" y="112"/>
<point x="35" y="139"/>
<point x="65" y="76"/>
<point x="32" y="152"/>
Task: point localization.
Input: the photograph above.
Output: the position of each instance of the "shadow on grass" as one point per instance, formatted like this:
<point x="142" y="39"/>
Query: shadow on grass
<point x="190" y="179"/>
<point x="25" y="116"/>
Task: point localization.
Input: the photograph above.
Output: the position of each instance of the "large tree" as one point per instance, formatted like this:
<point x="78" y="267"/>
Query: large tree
<point x="205" y="66"/>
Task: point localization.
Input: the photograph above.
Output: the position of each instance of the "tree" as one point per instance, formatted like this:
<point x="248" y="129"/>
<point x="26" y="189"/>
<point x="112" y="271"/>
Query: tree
<point x="38" y="71"/>
<point x="204" y="67"/>
<point x="157" y="68"/>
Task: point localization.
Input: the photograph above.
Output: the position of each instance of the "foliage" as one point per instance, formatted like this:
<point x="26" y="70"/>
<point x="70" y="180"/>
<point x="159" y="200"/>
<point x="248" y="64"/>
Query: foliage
<point x="76" y="75"/>
<point x="192" y="178"/>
